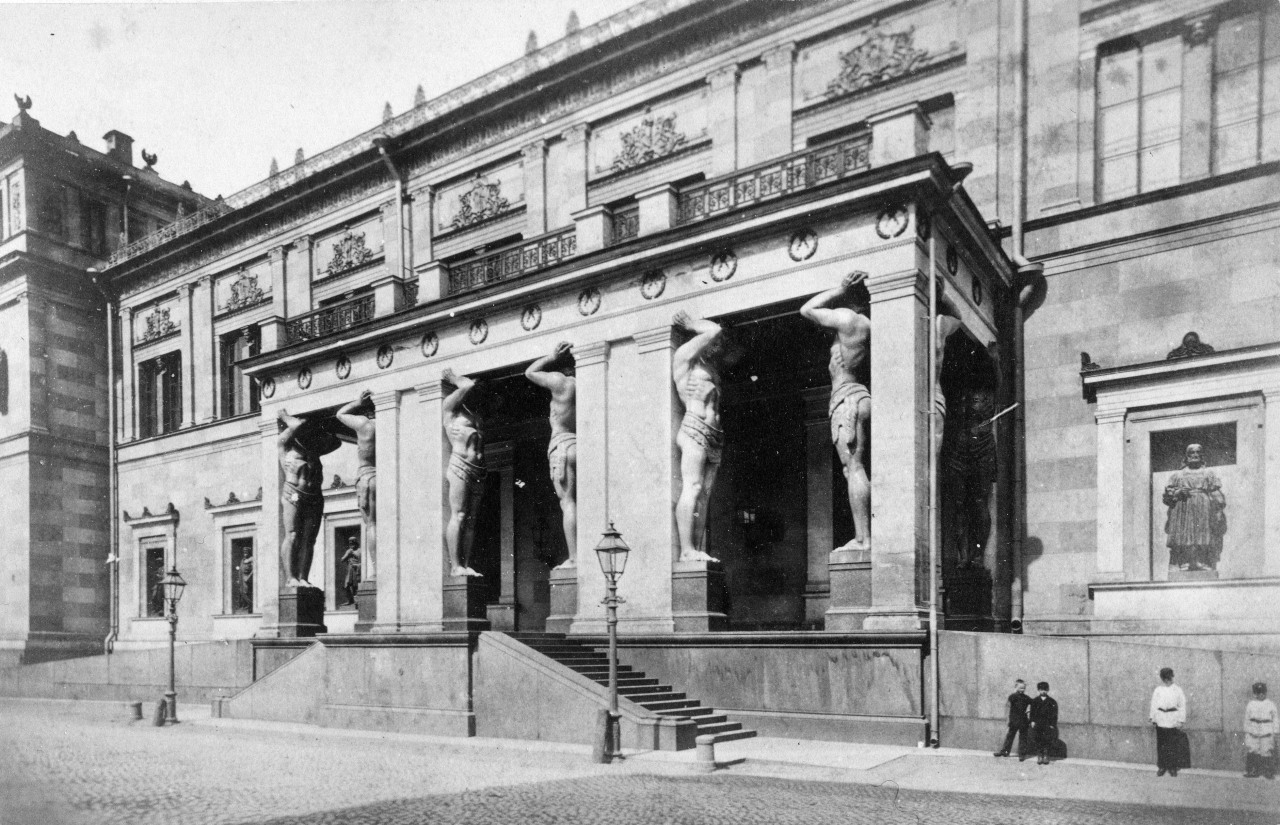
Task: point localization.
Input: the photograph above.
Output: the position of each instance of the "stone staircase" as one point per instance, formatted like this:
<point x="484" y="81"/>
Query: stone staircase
<point x="633" y="684"/>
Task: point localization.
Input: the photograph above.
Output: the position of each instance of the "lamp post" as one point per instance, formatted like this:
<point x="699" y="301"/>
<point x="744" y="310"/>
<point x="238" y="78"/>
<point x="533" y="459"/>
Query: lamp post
<point x="612" y="552"/>
<point x="173" y="585"/>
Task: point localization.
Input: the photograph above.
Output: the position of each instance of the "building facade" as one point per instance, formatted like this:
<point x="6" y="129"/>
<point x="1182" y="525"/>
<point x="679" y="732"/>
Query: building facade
<point x="730" y="160"/>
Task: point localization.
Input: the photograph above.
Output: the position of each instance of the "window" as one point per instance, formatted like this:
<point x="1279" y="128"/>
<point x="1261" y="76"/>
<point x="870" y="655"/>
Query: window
<point x="160" y="395"/>
<point x="153" y="581"/>
<point x="241" y="568"/>
<point x="1246" y="84"/>
<point x="93" y="225"/>
<point x="239" y="392"/>
<point x="1139" y="115"/>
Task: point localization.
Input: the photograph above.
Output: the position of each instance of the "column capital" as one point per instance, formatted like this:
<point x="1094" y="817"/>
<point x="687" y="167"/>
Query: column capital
<point x="300" y="243"/>
<point x="388" y="400"/>
<point x="429" y="391"/>
<point x="204" y="280"/>
<point x="535" y="151"/>
<point x="1104" y="416"/>
<point x="276" y="253"/>
<point x="422" y="190"/>
<point x="781" y="54"/>
<point x="499" y="454"/>
<point x="589" y="355"/>
<point x="815" y="401"/>
<point x="723" y="76"/>
<point x="897" y="285"/>
<point x="652" y="340"/>
<point x="268" y="427"/>
<point x="576" y="133"/>
<point x="125" y="312"/>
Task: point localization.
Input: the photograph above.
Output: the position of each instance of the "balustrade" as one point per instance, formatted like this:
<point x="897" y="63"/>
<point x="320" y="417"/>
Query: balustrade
<point x="329" y="320"/>
<point x="513" y="261"/>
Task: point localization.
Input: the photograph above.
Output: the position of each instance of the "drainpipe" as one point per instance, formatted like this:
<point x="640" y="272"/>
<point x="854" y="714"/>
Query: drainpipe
<point x="381" y="142"/>
<point x="1025" y="291"/>
<point x="113" y="488"/>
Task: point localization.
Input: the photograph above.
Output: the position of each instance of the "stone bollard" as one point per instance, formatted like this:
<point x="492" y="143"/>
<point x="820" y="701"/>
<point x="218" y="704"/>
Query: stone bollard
<point x="158" y="717"/>
<point x="706" y="762"/>
<point x="135" y="710"/>
<point x="600" y="742"/>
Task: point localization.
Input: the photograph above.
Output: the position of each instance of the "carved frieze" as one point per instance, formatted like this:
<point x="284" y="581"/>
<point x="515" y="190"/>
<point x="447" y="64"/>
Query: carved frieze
<point x="349" y="252"/>
<point x="481" y="202"/>
<point x="244" y="292"/>
<point x="880" y="57"/>
<point x="158" y="325"/>
<point x="652" y="138"/>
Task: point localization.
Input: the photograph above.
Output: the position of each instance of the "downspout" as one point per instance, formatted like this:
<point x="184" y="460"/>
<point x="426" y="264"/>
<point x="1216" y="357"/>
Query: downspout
<point x="113" y="487"/>
<point x="381" y="142"/>
<point x="1024" y="295"/>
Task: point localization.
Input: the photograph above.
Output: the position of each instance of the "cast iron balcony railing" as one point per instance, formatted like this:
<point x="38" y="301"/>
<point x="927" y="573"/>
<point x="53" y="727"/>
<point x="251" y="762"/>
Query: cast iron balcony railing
<point x="513" y="261"/>
<point x="329" y="320"/>
<point x="410" y="293"/>
<point x="212" y="212"/>
<point x="626" y="223"/>
<point x="775" y="179"/>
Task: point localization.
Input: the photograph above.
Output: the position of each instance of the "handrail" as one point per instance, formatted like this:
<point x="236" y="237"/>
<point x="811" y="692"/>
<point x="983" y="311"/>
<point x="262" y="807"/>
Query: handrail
<point x="329" y="320"/>
<point x="513" y="261"/>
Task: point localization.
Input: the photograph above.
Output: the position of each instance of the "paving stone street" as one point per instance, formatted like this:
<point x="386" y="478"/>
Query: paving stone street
<point x="74" y="764"/>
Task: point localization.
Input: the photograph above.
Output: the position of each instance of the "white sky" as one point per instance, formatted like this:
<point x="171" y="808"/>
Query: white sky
<point x="217" y="89"/>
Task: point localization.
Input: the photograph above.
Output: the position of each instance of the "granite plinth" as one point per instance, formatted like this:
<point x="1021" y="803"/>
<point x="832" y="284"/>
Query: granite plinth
<point x="698" y="596"/>
<point x="464" y="603"/>
<point x="367" y="605"/>
<point x="301" y="612"/>
<point x="564" y="599"/>
<point x="850" y="595"/>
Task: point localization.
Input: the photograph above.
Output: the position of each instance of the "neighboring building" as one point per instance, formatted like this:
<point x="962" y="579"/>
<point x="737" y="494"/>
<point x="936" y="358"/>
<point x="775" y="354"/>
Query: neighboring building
<point x="65" y="208"/>
<point x="731" y="159"/>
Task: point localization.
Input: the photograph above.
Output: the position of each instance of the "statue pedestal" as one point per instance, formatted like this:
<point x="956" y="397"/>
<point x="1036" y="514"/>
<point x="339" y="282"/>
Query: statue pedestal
<point x="501" y="616"/>
<point x="367" y="604"/>
<point x="850" y="595"/>
<point x="301" y="612"/>
<point x="464" y="607"/>
<point x="698" y="596"/>
<point x="968" y="599"/>
<point x="564" y="599"/>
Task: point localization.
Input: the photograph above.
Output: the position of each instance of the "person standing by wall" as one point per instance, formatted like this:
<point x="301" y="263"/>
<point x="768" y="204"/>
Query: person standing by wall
<point x="1018" y="705"/>
<point x="1043" y="716"/>
<point x="1169" y="714"/>
<point x="1261" y="726"/>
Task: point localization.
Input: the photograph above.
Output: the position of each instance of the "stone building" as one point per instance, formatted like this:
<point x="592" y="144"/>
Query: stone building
<point x="730" y="160"/>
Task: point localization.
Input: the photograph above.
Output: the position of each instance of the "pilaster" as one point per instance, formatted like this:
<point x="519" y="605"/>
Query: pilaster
<point x="392" y="223"/>
<point x="576" y="166"/>
<point x="722" y="119"/>
<point x="186" y="338"/>
<point x="899" y="449"/>
<point x="535" y="188"/>
<point x="267" y="572"/>
<point x="901" y="133"/>
<point x="127" y="427"/>
<point x="1271" y="480"/>
<point x="775" y="136"/>
<point x="420" y="551"/>
<point x="203" y="357"/>
<point x="657" y="208"/>
<point x="591" y="365"/>
<point x="1110" y="535"/>
<point x="818" y="498"/>
<point x="1197" y="96"/>
<point x="40" y="364"/>
<point x="499" y="459"/>
<point x="420" y="220"/>
<point x="594" y="227"/>
<point x="291" y="279"/>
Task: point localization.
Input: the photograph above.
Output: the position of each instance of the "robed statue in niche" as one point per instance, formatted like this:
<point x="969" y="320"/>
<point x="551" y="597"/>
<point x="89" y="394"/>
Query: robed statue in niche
<point x="1197" y="514"/>
<point x="968" y="466"/>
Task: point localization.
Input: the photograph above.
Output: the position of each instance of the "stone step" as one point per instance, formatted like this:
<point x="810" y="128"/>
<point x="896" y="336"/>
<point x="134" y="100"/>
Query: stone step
<point x="716" y="728"/>
<point x="733" y="735"/>
<point x="656" y="703"/>
<point x="643" y="690"/>
<point x="686" y="713"/>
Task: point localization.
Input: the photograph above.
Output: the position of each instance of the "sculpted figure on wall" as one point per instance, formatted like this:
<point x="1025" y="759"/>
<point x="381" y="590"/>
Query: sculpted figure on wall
<point x="968" y="467"/>
<point x="695" y="369"/>
<point x="465" y="476"/>
<point x="301" y="444"/>
<point x="844" y="309"/>
<point x="556" y="373"/>
<point x="946" y="324"/>
<point x="1197" y="514"/>
<point x="359" y="416"/>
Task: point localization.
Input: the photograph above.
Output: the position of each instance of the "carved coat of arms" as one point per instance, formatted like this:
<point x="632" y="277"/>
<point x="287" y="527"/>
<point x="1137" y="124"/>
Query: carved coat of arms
<point x="650" y="139"/>
<point x="349" y="252"/>
<point x="244" y="291"/>
<point x="878" y="58"/>
<point x="158" y="324"/>
<point x="479" y="203"/>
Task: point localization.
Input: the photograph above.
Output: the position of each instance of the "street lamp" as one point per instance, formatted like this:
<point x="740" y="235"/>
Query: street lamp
<point x="612" y="552"/>
<point x="173" y="585"/>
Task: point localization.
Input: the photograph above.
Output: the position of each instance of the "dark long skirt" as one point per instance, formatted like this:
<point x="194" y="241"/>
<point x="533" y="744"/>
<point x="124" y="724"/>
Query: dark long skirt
<point x="1173" y="749"/>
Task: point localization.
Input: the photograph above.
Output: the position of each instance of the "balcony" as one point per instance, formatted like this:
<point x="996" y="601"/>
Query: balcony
<point x="329" y="320"/>
<point x="794" y="173"/>
<point x="513" y="261"/>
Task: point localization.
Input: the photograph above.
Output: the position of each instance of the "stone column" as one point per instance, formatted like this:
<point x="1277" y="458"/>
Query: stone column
<point x="185" y="337"/>
<point x="591" y="364"/>
<point x="284" y="298"/>
<point x="202" y="351"/>
<point x="128" y="404"/>
<point x="499" y="459"/>
<point x="776" y="89"/>
<point x="535" y="188"/>
<point x="576" y="166"/>
<point x="267" y="579"/>
<point x="1197" y="96"/>
<point x="819" y="496"/>
<point x="1271" y="480"/>
<point x="899" y="449"/>
<point x="722" y="119"/>
<point x="1110" y="526"/>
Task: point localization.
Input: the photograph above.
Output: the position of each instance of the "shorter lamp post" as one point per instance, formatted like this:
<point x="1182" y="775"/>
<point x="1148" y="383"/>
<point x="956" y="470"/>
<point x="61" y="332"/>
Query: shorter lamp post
<point x="173" y="585"/>
<point x="612" y="552"/>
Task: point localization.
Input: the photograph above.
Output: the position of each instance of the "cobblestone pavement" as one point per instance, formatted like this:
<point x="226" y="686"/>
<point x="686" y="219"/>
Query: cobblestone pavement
<point x="82" y="764"/>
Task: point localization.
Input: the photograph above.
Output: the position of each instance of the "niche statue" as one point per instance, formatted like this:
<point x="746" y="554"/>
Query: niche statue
<point x="556" y="373"/>
<point x="844" y="309"/>
<point x="1197" y="514"/>
<point x="466" y="474"/>
<point x="969" y="464"/>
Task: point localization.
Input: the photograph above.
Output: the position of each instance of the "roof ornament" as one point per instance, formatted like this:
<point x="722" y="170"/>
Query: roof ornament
<point x="531" y="45"/>
<point x="1191" y="347"/>
<point x="149" y="158"/>
<point x="23" y="103"/>
<point x="275" y="168"/>
<point x="419" y="97"/>
<point x="298" y="157"/>
<point x="572" y="25"/>
<point x="386" y="112"/>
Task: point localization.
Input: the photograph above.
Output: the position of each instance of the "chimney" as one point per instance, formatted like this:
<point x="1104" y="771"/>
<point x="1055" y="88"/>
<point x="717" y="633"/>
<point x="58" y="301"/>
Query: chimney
<point x="119" y="146"/>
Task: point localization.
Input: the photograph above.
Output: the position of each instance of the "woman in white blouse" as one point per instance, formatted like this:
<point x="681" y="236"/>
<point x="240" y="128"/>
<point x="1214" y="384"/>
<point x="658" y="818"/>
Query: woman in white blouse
<point x="1169" y="714"/>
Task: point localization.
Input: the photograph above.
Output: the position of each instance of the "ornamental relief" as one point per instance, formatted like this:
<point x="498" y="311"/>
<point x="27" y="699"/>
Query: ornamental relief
<point x="480" y="203"/>
<point x="483" y="196"/>
<point x="650" y="139"/>
<point x="157" y="324"/>
<point x="244" y="289"/>
<point x="650" y="135"/>
<point x="878" y="58"/>
<point x="349" y="252"/>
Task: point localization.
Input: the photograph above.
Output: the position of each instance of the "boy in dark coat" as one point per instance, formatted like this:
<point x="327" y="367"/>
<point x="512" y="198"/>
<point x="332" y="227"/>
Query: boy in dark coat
<point x="1043" y="714"/>
<point x="1017" y="705"/>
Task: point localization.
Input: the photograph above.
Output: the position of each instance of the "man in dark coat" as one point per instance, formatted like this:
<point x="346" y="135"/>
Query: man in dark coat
<point x="1043" y="714"/>
<point x="1017" y="705"/>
